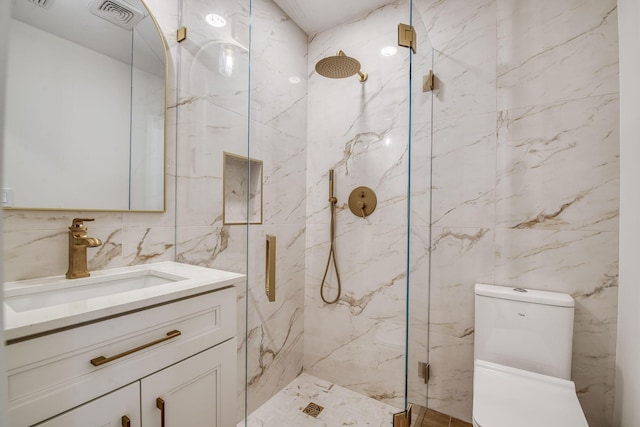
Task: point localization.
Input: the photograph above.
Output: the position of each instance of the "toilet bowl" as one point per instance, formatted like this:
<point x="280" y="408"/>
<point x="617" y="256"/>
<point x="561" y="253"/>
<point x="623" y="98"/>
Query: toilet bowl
<point x="510" y="397"/>
<point x="522" y="359"/>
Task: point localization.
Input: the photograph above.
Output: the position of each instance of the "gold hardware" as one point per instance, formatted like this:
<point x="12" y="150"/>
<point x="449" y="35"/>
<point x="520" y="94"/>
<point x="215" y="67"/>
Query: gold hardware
<point x="101" y="360"/>
<point x="313" y="409"/>
<point x="362" y="201"/>
<point x="160" y="405"/>
<point x="78" y="244"/>
<point x="270" y="269"/>
<point x="332" y="199"/>
<point x="126" y="422"/>
<point x="423" y="371"/>
<point x="181" y="34"/>
<point x="403" y="419"/>
<point x="407" y="36"/>
<point x="427" y="82"/>
<point x="362" y="76"/>
<point x="332" y="247"/>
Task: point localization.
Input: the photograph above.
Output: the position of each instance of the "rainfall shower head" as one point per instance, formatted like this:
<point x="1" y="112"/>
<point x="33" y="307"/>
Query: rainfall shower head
<point x="339" y="67"/>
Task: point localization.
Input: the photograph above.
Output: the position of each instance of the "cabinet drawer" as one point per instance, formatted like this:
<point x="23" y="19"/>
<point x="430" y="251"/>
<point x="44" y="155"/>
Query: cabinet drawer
<point x="53" y="373"/>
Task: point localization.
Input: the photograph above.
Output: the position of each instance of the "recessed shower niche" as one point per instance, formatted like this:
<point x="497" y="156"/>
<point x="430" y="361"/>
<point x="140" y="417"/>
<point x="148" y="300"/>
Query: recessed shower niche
<point x="242" y="182"/>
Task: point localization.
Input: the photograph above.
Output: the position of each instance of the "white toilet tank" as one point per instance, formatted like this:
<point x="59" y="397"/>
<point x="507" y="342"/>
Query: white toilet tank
<point x="525" y="329"/>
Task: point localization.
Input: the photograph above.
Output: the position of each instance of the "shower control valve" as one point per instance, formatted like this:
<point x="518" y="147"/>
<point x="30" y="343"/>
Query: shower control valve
<point x="362" y="201"/>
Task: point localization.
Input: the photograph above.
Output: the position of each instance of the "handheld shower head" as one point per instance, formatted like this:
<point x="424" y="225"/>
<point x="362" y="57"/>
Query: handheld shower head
<point x="339" y="67"/>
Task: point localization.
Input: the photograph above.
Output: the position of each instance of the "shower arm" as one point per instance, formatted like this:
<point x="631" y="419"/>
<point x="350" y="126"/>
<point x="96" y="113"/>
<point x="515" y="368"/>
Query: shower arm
<point x="363" y="78"/>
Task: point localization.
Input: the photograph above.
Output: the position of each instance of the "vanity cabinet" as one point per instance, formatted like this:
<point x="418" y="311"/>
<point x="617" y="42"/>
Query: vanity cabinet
<point x="192" y="393"/>
<point x="182" y="352"/>
<point x="120" y="408"/>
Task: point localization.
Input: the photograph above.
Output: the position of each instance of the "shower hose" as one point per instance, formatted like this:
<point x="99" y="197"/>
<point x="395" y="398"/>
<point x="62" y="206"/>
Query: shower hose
<point x="332" y="254"/>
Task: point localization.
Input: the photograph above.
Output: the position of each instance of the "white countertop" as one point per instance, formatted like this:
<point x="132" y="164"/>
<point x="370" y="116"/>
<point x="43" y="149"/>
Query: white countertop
<point x="196" y="280"/>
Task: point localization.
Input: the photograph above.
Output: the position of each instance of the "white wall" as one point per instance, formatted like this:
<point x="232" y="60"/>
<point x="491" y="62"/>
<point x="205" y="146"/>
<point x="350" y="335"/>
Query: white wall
<point x="627" y="392"/>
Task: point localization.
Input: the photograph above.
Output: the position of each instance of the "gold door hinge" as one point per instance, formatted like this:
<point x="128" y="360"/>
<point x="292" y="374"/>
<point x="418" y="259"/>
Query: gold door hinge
<point x="407" y="36"/>
<point x="403" y="419"/>
<point x="181" y="34"/>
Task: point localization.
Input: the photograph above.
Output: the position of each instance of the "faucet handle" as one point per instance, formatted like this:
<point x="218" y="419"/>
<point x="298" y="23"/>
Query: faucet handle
<point x="78" y="222"/>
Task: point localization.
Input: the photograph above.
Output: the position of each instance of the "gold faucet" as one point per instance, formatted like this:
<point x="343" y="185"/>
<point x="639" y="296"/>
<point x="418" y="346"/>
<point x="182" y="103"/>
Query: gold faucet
<point x="78" y="244"/>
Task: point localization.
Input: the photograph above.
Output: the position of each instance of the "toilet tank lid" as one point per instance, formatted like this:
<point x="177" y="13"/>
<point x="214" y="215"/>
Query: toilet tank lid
<point x="525" y="295"/>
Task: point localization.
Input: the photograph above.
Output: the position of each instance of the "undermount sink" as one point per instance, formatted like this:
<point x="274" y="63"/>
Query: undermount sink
<point x="37" y="306"/>
<point x="65" y="291"/>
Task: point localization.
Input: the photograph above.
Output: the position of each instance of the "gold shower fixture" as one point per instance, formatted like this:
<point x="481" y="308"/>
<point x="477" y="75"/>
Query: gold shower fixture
<point x="340" y="66"/>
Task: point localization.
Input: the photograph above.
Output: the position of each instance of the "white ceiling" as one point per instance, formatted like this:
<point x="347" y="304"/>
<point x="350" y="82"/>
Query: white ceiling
<point x="314" y="16"/>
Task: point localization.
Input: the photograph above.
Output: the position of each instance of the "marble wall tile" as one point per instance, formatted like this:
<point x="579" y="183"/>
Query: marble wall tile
<point x="558" y="166"/>
<point x="554" y="166"/>
<point x="36" y="242"/>
<point x="284" y="159"/>
<point x="463" y="35"/>
<point x="420" y="173"/>
<point x="361" y="131"/>
<point x="551" y="51"/>
<point x="460" y="258"/>
<point x="464" y="177"/>
<point x="377" y="161"/>
<point x="339" y="107"/>
<point x="359" y="341"/>
<point x="275" y="329"/>
<point x="208" y="131"/>
<point x="418" y="313"/>
<point x="585" y="265"/>
<point x="280" y="54"/>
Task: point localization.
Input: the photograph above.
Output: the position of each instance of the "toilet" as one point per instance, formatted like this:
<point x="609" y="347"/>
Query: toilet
<point x="522" y="359"/>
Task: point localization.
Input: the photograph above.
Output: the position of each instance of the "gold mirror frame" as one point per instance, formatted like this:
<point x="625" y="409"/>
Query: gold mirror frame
<point x="165" y="126"/>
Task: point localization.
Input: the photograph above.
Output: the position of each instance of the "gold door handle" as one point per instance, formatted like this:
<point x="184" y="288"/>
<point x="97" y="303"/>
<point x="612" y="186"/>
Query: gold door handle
<point x="126" y="422"/>
<point x="270" y="269"/>
<point x="160" y="405"/>
<point x="101" y="360"/>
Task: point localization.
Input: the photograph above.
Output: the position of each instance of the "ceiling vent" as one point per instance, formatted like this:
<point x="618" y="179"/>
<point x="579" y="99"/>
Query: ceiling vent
<point x="43" y="3"/>
<point x="117" y="12"/>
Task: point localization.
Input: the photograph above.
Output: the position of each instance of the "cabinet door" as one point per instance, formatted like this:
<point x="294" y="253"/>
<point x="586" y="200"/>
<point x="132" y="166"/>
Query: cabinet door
<point x="197" y="392"/>
<point x="120" y="408"/>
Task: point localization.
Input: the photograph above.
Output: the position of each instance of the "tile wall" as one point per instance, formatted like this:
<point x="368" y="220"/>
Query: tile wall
<point x="525" y="189"/>
<point x="361" y="131"/>
<point x="525" y="173"/>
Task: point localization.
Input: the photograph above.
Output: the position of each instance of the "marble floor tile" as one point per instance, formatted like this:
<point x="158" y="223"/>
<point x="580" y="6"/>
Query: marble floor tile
<point x="342" y="407"/>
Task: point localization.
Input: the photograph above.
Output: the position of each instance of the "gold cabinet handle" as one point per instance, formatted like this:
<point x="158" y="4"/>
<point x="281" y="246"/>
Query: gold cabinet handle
<point x="101" y="360"/>
<point x="126" y="422"/>
<point x="160" y="405"/>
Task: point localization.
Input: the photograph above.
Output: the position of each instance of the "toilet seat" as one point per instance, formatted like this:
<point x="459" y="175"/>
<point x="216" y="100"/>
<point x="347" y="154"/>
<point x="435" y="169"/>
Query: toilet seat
<point x="507" y="397"/>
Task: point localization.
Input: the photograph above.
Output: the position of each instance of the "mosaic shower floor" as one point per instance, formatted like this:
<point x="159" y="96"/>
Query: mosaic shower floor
<point x="341" y="407"/>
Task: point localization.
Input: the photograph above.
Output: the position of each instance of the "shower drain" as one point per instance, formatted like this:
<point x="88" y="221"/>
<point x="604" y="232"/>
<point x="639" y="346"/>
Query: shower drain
<point x="313" y="409"/>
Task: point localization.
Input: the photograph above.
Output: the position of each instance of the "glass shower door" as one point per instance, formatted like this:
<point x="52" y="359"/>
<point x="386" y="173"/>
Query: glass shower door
<point x="420" y="187"/>
<point x="213" y="183"/>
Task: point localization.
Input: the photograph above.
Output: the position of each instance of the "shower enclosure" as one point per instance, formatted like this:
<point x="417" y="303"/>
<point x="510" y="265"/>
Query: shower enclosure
<point x="259" y="130"/>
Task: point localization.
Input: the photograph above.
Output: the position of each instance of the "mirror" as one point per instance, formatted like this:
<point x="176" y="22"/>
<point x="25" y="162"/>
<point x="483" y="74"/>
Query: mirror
<point x="85" y="107"/>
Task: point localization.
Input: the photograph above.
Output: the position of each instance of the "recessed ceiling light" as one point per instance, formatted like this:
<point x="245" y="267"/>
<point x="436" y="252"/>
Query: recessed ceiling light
<point x="388" y="51"/>
<point x="216" y="20"/>
<point x="294" y="80"/>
